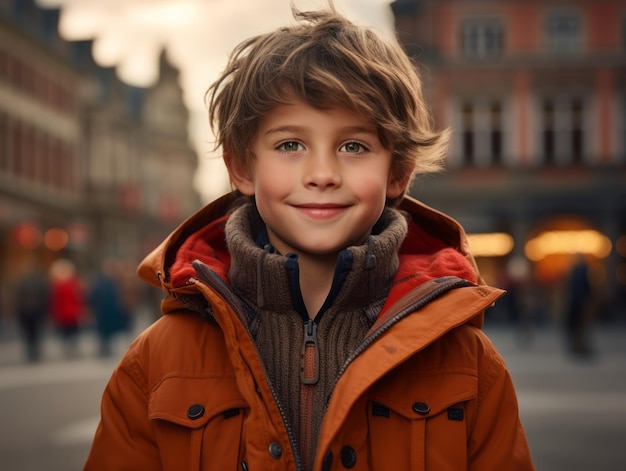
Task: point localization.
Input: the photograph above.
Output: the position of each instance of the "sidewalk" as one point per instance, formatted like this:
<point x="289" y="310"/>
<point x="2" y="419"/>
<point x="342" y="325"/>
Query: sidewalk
<point x="604" y="339"/>
<point x="573" y="409"/>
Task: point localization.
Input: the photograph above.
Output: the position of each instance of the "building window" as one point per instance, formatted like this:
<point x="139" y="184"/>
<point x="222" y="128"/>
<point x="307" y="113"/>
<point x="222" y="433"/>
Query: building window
<point x="563" y="33"/>
<point x="623" y="133"/>
<point x="15" y="71"/>
<point x="547" y="113"/>
<point x="563" y="133"/>
<point x="4" y="143"/>
<point x="482" y="133"/>
<point x="56" y="163"/>
<point x="495" y="133"/>
<point x="28" y="163"/>
<point x="577" y="132"/>
<point x="468" y="134"/>
<point x="481" y="38"/>
<point x="4" y="65"/>
<point x="16" y="150"/>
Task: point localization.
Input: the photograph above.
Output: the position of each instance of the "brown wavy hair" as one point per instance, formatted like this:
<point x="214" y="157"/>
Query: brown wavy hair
<point x="326" y="61"/>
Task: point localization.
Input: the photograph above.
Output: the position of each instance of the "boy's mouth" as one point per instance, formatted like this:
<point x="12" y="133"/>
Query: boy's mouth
<point x="321" y="210"/>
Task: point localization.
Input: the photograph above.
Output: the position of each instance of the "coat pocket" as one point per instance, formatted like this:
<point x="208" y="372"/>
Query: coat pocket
<point x="419" y="422"/>
<point x="198" y="422"/>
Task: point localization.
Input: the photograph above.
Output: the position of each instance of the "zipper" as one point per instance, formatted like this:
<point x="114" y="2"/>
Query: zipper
<point x="210" y="278"/>
<point x="310" y="356"/>
<point x="309" y="376"/>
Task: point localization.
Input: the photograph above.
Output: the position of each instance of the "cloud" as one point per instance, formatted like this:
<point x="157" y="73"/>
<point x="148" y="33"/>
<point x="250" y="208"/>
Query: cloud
<point x="197" y="36"/>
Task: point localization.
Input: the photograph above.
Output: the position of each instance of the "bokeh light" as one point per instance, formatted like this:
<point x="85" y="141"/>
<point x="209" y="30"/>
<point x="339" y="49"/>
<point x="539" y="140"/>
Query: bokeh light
<point x="494" y="244"/>
<point x="588" y="242"/>
<point x="56" y="239"/>
<point x="27" y="235"/>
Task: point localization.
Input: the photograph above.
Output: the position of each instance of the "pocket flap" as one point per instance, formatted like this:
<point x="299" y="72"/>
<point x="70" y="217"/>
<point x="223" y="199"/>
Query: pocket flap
<point x="193" y="401"/>
<point x="427" y="394"/>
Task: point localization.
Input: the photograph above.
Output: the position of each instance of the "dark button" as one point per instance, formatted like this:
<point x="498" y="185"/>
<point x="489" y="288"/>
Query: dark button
<point x="348" y="457"/>
<point x="327" y="461"/>
<point x="195" y="412"/>
<point x="244" y="466"/>
<point x="275" y="450"/>
<point x="421" y="408"/>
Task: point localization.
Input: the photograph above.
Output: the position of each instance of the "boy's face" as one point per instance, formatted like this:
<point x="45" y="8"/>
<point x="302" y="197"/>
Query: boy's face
<point x="320" y="178"/>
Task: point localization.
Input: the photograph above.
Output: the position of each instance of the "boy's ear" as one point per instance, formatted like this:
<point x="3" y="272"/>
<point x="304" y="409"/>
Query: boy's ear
<point x="239" y="174"/>
<point x="397" y="186"/>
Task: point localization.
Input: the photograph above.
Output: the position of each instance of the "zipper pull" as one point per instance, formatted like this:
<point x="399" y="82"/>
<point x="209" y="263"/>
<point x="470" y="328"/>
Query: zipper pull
<point x="310" y="357"/>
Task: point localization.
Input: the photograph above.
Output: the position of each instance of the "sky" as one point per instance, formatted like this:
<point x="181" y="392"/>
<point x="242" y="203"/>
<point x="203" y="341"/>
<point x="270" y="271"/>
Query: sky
<point x="197" y="36"/>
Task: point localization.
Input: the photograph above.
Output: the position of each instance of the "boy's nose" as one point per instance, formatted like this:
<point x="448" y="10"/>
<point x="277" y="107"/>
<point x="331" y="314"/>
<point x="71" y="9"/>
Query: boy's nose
<point x="322" y="170"/>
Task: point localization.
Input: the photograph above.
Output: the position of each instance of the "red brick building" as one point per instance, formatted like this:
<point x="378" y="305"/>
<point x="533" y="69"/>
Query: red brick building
<point x="535" y="94"/>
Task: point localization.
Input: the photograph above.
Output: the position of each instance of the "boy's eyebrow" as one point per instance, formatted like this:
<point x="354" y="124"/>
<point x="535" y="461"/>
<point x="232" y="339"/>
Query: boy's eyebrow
<point x="350" y="129"/>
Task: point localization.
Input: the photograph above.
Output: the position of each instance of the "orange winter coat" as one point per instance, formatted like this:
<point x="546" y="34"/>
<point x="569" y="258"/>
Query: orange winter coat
<point x="427" y="390"/>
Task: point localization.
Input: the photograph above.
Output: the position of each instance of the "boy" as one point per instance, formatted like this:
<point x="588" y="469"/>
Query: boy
<point x="315" y="319"/>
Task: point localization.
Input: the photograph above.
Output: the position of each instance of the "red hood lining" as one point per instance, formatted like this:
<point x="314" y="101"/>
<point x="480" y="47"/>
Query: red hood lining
<point x="207" y="245"/>
<point x="424" y="257"/>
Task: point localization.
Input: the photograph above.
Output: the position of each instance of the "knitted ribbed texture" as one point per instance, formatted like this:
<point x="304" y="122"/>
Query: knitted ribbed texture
<point x="261" y="279"/>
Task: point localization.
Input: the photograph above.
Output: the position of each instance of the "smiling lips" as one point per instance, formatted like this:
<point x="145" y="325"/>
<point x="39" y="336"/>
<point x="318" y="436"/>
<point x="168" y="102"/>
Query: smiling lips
<point x="321" y="211"/>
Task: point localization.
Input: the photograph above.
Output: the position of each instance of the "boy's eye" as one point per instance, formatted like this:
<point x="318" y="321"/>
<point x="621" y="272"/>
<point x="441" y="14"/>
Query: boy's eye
<point x="353" y="147"/>
<point x="290" y="146"/>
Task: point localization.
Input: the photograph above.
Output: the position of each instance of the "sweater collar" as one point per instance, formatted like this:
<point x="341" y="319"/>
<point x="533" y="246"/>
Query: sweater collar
<point x="268" y="280"/>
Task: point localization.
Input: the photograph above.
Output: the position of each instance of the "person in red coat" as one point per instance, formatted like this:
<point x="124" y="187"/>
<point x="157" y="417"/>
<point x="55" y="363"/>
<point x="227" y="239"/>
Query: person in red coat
<point x="67" y="303"/>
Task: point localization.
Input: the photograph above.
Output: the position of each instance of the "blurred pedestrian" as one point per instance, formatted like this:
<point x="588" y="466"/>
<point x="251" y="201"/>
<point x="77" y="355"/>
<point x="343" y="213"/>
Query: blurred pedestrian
<point x="67" y="303"/>
<point x="130" y="290"/>
<point x="31" y="306"/>
<point x="517" y="282"/>
<point x="105" y="303"/>
<point x="578" y="308"/>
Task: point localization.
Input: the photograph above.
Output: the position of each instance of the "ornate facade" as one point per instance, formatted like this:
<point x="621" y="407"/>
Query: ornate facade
<point x="533" y="91"/>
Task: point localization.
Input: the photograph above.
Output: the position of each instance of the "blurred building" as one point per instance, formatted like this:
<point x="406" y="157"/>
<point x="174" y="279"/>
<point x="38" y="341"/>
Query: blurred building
<point x="89" y="167"/>
<point x="534" y="93"/>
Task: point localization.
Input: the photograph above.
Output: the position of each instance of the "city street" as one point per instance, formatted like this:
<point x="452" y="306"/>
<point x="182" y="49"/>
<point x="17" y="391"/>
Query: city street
<point x="574" y="411"/>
